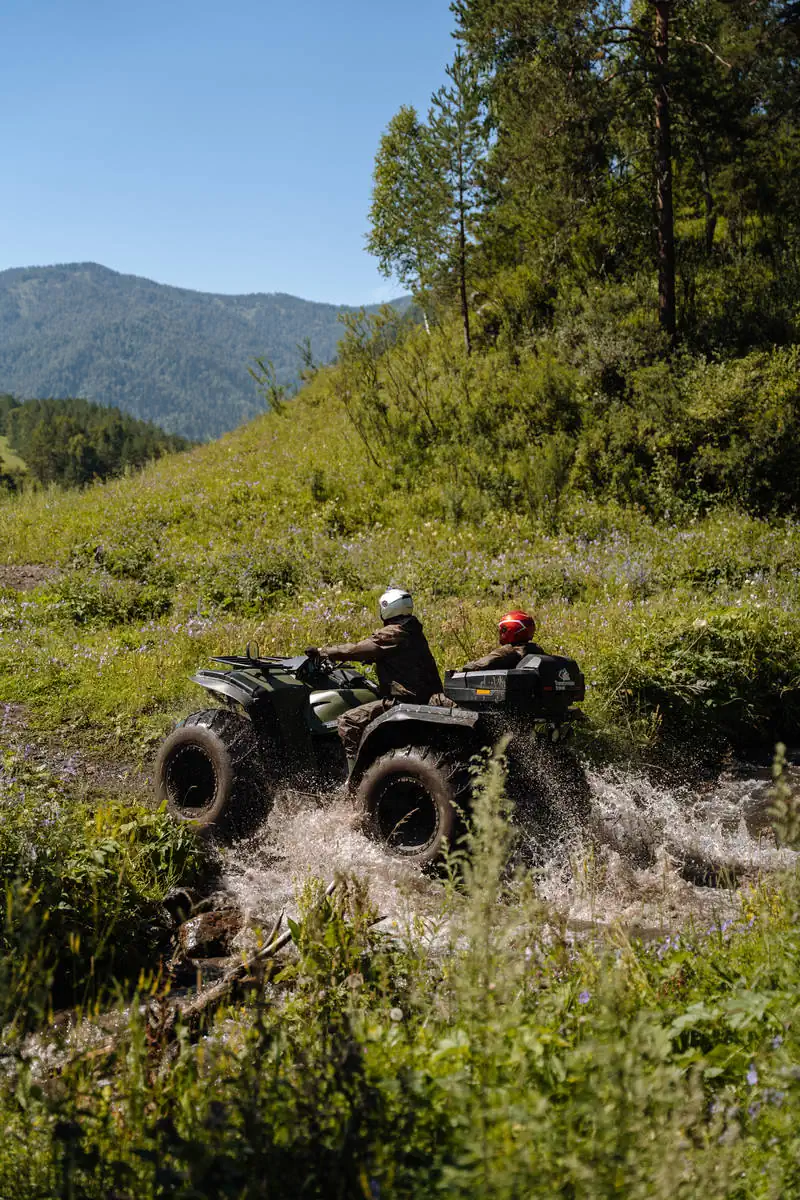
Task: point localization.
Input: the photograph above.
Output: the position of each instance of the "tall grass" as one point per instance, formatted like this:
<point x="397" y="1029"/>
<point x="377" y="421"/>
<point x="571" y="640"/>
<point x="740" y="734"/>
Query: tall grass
<point x="517" y="1062"/>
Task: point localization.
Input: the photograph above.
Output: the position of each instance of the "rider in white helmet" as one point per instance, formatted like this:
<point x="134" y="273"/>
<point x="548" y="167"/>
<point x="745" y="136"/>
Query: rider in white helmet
<point x="405" y="667"/>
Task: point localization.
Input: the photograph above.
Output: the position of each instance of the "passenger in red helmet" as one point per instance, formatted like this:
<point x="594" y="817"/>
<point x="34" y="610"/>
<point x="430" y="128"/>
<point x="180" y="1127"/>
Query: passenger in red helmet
<point x="516" y="641"/>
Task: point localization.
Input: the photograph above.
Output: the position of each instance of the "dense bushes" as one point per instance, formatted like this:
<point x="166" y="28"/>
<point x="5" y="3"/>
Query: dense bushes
<point x="83" y="885"/>
<point x="528" y="427"/>
<point x="728" y="678"/>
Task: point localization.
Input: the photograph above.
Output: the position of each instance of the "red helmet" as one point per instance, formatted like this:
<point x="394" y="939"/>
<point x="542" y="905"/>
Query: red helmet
<point x="516" y="628"/>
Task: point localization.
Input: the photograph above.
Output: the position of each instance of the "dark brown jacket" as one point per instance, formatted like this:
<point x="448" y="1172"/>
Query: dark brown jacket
<point x="403" y="661"/>
<point x="504" y="658"/>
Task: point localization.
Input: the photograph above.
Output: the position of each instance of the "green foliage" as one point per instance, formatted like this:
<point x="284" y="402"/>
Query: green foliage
<point x="733" y="673"/>
<point x="95" y="599"/>
<point x="83" y="886"/>
<point x="427" y="192"/>
<point x="600" y="416"/>
<point x="369" y="1066"/>
<point x="287" y="532"/>
<point x="574" y="166"/>
<point x="266" y="379"/>
<point x="73" y="442"/>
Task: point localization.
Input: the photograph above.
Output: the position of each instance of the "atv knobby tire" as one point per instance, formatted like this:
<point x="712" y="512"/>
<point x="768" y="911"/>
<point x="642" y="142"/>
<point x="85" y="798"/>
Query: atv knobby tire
<point x="211" y="772"/>
<point x="410" y="800"/>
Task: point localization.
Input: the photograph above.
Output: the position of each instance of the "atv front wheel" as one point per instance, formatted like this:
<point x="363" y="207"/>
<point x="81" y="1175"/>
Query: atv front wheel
<point x="409" y="801"/>
<point x="210" y="771"/>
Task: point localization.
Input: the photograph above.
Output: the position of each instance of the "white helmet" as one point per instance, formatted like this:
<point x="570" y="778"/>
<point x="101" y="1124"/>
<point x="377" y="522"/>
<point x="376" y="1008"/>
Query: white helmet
<point x="395" y="603"/>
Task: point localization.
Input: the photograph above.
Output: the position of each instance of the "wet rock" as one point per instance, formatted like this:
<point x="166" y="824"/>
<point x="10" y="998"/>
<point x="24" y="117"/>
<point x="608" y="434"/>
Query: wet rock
<point x="180" y="903"/>
<point x="200" y="972"/>
<point x="209" y="934"/>
<point x="216" y="902"/>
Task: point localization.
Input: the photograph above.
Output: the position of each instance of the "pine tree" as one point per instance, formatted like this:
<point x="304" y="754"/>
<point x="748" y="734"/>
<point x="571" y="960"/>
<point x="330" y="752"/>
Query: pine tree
<point x="601" y="110"/>
<point x="459" y="142"/>
<point x="427" y="192"/>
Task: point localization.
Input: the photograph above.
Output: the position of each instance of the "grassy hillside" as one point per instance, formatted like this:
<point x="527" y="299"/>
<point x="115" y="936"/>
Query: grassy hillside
<point x="164" y="354"/>
<point x="8" y="457"/>
<point x="285" y="531"/>
<point x="484" y="1052"/>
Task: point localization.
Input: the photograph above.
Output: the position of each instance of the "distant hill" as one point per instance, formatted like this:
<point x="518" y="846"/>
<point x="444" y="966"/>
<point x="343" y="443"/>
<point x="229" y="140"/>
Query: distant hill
<point x="74" y="442"/>
<point x="163" y="354"/>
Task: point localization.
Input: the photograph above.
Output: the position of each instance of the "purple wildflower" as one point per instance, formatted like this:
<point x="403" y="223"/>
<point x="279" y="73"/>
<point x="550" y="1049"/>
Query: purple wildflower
<point x="752" y="1076"/>
<point x="584" y="997"/>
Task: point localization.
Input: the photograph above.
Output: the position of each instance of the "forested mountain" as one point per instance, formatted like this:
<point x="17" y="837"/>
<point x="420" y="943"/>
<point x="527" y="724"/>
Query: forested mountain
<point x="164" y="354"/>
<point x="74" y="441"/>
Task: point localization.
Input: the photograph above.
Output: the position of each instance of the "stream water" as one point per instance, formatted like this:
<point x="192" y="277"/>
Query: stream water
<point x="655" y="857"/>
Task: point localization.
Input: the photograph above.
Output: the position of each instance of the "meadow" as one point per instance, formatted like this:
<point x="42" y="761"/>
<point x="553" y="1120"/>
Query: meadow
<point x="284" y="532"/>
<point x="487" y="1052"/>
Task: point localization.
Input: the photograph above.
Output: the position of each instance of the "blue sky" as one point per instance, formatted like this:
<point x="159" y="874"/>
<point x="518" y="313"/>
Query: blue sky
<point x="221" y="146"/>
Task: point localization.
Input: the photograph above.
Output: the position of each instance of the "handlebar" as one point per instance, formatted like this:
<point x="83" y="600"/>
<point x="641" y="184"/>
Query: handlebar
<point x="319" y="663"/>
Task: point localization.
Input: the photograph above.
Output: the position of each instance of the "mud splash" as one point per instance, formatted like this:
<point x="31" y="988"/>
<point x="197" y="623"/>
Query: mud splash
<point x="656" y="857"/>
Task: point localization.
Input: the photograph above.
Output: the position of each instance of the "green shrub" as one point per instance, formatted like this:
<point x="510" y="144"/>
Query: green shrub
<point x="728" y="678"/>
<point x="251" y="578"/>
<point x="94" y="598"/>
<point x="85" y="882"/>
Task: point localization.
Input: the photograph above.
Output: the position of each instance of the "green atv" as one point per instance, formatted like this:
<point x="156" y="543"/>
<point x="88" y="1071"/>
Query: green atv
<point x="277" y="727"/>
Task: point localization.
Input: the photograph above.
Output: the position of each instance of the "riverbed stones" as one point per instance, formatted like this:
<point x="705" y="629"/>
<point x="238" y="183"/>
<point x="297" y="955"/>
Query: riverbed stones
<point x="180" y="904"/>
<point x="209" y="934"/>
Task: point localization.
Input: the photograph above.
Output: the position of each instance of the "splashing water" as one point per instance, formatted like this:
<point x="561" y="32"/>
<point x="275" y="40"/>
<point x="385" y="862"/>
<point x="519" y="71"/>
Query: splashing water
<point x="655" y="856"/>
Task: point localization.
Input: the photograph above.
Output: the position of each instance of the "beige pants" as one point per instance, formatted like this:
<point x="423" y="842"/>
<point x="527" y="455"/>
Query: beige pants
<point x="351" y="725"/>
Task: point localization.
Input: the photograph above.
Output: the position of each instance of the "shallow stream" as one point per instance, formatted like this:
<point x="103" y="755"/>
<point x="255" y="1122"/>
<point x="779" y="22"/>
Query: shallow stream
<point x="656" y="856"/>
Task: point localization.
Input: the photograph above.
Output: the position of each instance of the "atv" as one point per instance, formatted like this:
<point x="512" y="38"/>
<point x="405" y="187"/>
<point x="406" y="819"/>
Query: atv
<point x="276" y="726"/>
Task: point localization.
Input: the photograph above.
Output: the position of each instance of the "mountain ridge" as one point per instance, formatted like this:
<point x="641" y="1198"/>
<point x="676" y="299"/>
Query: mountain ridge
<point x="172" y="355"/>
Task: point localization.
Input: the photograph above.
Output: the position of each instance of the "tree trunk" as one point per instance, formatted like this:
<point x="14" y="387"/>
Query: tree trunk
<point x="462" y="256"/>
<point x="708" y="199"/>
<point x="666" y="221"/>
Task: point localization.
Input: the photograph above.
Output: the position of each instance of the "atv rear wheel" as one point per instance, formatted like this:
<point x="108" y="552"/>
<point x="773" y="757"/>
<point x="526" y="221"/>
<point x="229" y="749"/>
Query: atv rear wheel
<point x="211" y="772"/>
<point x="409" y="800"/>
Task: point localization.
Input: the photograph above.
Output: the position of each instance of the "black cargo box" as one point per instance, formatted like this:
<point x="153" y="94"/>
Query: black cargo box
<point x="541" y="681"/>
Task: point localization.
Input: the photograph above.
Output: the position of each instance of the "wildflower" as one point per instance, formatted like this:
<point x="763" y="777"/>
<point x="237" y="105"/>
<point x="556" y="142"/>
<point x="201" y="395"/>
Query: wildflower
<point x="752" y="1076"/>
<point x="584" y="997"/>
<point x="776" y="1041"/>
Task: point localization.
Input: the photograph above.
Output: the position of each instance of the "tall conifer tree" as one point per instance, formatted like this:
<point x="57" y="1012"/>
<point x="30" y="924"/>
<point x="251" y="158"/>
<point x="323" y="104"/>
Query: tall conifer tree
<point x="427" y="192"/>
